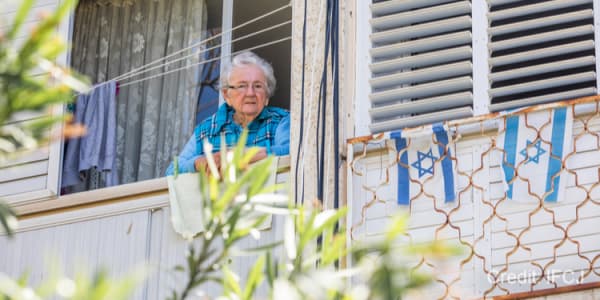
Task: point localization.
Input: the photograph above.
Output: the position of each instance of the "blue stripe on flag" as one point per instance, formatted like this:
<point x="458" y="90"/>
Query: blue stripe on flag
<point x="555" y="163"/>
<point x="403" y="180"/>
<point x="510" y="148"/>
<point x="442" y="138"/>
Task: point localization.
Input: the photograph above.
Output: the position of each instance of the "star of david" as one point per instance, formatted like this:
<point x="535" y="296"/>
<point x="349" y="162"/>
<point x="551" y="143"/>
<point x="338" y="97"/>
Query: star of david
<point x="419" y="163"/>
<point x="538" y="149"/>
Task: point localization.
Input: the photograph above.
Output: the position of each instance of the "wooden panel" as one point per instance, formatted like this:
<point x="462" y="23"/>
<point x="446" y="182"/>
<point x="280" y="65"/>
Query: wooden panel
<point x="34" y="16"/>
<point x="26" y="156"/>
<point x="116" y="243"/>
<point x="35" y="168"/>
<point x="12" y="6"/>
<point x="23" y="185"/>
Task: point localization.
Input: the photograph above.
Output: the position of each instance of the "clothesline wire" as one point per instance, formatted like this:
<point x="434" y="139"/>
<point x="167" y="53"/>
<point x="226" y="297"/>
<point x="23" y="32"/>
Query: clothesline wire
<point x="205" y="61"/>
<point x="204" y="51"/>
<point x="117" y="78"/>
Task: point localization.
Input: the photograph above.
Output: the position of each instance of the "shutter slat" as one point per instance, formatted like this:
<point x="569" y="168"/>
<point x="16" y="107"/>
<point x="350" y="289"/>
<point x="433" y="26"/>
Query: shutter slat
<point x="423" y="75"/>
<point x="421" y="45"/>
<point x="501" y="2"/>
<point x="423" y="90"/>
<point x="542" y="22"/>
<point x="423" y="105"/>
<point x="542" y="37"/>
<point x="423" y="60"/>
<point x="439" y="116"/>
<point x="543" y="68"/>
<point x="534" y="8"/>
<point x="421" y="16"/>
<point x="390" y="7"/>
<point x="542" y="53"/>
<point x="426" y="29"/>
<point x="572" y="94"/>
<point x="550" y="46"/>
<point x="543" y="84"/>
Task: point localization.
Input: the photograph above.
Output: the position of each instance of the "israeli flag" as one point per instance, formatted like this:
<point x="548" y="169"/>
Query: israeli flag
<point x="534" y="146"/>
<point x="425" y="165"/>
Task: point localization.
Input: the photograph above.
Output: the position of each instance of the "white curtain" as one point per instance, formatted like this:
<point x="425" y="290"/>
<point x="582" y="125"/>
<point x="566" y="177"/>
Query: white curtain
<point x="155" y="117"/>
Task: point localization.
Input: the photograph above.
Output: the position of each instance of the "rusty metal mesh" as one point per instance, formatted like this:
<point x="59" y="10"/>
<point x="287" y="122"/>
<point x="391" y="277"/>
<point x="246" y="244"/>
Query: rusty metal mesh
<point x="509" y="246"/>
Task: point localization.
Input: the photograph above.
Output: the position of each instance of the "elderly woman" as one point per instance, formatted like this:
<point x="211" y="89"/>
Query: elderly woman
<point x="246" y="83"/>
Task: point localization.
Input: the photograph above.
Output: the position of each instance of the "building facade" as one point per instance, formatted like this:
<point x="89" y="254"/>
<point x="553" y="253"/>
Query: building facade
<point x="360" y="70"/>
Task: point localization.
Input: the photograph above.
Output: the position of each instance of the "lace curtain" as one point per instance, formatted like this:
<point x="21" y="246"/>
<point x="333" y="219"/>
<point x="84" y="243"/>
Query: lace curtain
<point x="155" y="117"/>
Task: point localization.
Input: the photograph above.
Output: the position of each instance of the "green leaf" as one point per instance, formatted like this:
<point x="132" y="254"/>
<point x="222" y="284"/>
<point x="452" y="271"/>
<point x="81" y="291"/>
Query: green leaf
<point x="256" y="250"/>
<point x="179" y="268"/>
<point x="269" y="268"/>
<point x="255" y="277"/>
<point x="22" y="13"/>
<point x="238" y="152"/>
<point x="175" y="166"/>
<point x="6" y="214"/>
<point x="398" y="226"/>
<point x="258" y="183"/>
<point x="231" y="283"/>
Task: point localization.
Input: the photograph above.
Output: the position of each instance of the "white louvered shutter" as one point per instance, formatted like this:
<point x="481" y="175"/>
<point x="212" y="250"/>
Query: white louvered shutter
<point x="421" y="62"/>
<point x="540" y="51"/>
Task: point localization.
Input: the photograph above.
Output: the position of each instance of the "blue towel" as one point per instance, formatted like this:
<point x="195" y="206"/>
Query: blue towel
<point x="97" y="149"/>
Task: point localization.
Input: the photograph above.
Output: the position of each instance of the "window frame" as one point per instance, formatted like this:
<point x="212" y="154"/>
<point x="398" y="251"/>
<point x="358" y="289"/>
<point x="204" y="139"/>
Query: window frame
<point x="36" y="201"/>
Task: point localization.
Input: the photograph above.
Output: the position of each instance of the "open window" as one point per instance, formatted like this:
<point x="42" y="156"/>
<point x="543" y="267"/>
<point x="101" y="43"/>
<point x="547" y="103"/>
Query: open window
<point x="157" y="110"/>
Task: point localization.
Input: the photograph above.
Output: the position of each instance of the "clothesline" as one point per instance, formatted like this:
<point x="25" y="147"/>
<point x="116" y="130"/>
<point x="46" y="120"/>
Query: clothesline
<point x="206" y="61"/>
<point x="196" y="54"/>
<point x="198" y="44"/>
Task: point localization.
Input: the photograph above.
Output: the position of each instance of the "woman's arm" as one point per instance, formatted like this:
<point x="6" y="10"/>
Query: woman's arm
<point x="282" y="138"/>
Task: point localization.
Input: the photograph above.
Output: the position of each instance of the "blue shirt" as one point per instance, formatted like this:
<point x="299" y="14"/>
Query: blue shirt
<point x="270" y="129"/>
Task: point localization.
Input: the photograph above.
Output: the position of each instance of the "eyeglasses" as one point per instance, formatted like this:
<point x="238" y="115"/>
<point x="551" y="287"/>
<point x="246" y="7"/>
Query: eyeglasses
<point x="243" y="87"/>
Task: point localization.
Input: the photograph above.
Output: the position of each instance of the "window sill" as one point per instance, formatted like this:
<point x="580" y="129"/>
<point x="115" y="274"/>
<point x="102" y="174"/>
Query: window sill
<point x="133" y="193"/>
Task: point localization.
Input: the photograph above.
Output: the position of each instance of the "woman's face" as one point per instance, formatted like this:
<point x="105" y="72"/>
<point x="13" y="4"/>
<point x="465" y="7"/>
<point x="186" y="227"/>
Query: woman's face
<point x="247" y="91"/>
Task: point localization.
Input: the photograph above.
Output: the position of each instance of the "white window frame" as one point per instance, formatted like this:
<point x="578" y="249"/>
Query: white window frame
<point x="28" y="200"/>
<point x="362" y="88"/>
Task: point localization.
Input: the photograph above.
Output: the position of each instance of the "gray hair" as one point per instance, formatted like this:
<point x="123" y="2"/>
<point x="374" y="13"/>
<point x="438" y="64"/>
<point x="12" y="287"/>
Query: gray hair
<point x="249" y="58"/>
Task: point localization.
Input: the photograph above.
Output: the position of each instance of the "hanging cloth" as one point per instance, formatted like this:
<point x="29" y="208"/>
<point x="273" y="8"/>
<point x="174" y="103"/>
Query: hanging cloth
<point x="96" y="149"/>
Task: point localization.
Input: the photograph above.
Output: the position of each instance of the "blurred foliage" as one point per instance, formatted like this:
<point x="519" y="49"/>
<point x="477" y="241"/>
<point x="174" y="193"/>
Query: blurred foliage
<point x="237" y="201"/>
<point x="99" y="287"/>
<point x="30" y="85"/>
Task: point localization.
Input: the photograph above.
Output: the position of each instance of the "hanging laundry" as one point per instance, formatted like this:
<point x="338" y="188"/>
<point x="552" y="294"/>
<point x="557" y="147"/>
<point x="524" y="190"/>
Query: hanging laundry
<point x="97" y="149"/>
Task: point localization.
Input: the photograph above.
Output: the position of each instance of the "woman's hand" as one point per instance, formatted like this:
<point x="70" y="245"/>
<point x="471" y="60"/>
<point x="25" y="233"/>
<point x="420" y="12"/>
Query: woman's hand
<point x="201" y="163"/>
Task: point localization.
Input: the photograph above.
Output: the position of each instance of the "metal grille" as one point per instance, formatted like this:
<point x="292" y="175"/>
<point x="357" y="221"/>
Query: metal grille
<point x="509" y="246"/>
